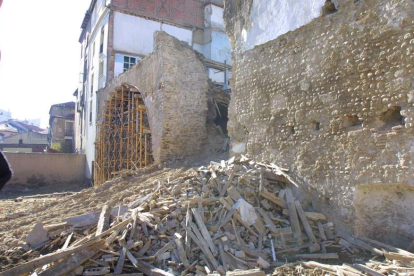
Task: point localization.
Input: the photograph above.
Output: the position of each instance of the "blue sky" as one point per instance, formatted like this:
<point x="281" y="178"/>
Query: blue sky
<point x="40" y="55"/>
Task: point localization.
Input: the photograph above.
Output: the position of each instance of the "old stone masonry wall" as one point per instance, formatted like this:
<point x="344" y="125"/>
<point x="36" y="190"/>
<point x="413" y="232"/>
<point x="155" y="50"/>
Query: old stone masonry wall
<point x="333" y="102"/>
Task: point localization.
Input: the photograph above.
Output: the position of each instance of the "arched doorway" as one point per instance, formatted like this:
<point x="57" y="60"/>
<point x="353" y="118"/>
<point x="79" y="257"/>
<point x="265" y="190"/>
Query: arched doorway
<point x="123" y="135"/>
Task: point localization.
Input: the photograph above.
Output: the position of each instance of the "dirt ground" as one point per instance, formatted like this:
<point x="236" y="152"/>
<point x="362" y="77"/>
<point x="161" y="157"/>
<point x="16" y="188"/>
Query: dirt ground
<point x="17" y="218"/>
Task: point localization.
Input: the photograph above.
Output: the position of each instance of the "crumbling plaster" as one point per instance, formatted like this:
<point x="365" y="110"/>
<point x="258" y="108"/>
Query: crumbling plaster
<point x="333" y="102"/>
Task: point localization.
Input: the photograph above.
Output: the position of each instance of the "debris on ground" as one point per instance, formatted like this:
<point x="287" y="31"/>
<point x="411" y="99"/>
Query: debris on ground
<point x="234" y="218"/>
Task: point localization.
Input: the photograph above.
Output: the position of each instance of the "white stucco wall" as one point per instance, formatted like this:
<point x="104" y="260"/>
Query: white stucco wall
<point x="272" y="18"/>
<point x="213" y="17"/>
<point x="139" y="39"/>
<point x="98" y="82"/>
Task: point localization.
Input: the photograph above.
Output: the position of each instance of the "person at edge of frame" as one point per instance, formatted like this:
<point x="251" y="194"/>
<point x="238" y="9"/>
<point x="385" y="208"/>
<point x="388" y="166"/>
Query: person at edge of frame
<point x="5" y="171"/>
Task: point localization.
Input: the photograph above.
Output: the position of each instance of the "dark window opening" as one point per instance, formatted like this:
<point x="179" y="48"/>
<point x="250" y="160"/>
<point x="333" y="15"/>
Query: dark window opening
<point x="292" y="130"/>
<point x="101" y="44"/>
<point x="328" y="8"/>
<point x="222" y="117"/>
<point x="316" y="125"/>
<point x="129" y="62"/>
<point x="391" y="118"/>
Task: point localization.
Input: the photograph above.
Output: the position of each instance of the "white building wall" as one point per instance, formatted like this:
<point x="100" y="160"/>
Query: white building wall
<point x="139" y="37"/>
<point x="98" y="81"/>
<point x="272" y="18"/>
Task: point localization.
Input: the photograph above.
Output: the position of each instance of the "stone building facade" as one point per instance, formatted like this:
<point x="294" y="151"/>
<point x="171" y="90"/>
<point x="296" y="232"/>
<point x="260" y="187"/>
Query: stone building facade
<point x="332" y="100"/>
<point x="61" y="126"/>
<point x="178" y="96"/>
<point x="116" y="34"/>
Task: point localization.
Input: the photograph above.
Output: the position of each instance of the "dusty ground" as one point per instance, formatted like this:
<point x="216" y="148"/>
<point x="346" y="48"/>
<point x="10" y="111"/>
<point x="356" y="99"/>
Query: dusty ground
<point x="18" y="218"/>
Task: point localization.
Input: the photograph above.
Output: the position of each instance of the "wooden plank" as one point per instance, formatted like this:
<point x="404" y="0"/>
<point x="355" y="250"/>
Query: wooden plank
<point x="229" y="181"/>
<point x="398" y="257"/>
<point x="233" y="193"/>
<point x="249" y="251"/>
<point x="272" y="198"/>
<point x="103" y="223"/>
<point x="368" y="270"/>
<point x="387" y="247"/>
<point x="305" y="223"/>
<point x="132" y="259"/>
<point x="294" y="221"/>
<point x="47" y="259"/>
<point x="145" y="248"/>
<point x="318" y="256"/>
<point x="268" y="222"/>
<point x="121" y="261"/>
<point x="359" y="243"/>
<point x="66" y="244"/>
<point x="222" y="256"/>
<point x="180" y="249"/>
<point x="199" y="240"/>
<point x="164" y="249"/>
<point x="204" y="231"/>
<point x="309" y="215"/>
<point x="321" y="231"/>
<point x="74" y="261"/>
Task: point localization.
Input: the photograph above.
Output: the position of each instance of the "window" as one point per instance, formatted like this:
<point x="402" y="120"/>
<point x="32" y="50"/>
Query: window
<point x="101" y="67"/>
<point x="101" y="45"/>
<point x="68" y="128"/>
<point x="93" y="54"/>
<point x="128" y="62"/>
<point x="92" y="79"/>
<point x="90" y="112"/>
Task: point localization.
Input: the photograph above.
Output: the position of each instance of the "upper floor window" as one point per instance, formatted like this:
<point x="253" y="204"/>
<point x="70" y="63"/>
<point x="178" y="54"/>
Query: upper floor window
<point x="101" y="44"/>
<point x="101" y="67"/>
<point x="92" y="80"/>
<point x="128" y="62"/>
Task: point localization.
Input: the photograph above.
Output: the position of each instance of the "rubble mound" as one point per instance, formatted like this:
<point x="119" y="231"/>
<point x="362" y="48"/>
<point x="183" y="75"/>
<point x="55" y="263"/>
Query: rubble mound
<point x="235" y="218"/>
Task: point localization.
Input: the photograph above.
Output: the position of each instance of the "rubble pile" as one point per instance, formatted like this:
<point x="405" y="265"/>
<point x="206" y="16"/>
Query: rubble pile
<point x="237" y="217"/>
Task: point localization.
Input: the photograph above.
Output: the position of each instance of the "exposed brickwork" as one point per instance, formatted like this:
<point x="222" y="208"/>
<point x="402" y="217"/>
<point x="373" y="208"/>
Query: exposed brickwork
<point x="333" y="102"/>
<point x="182" y="12"/>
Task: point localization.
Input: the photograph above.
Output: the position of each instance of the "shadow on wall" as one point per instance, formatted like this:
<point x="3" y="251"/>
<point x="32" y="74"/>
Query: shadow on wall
<point x="385" y="212"/>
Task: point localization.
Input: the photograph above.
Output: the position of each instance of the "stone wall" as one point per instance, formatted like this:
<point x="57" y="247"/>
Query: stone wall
<point x="39" y="169"/>
<point x="175" y="88"/>
<point x="333" y="102"/>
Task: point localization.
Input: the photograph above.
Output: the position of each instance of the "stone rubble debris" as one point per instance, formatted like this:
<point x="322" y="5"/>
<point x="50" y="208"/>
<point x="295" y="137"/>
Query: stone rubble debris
<point x="234" y="218"/>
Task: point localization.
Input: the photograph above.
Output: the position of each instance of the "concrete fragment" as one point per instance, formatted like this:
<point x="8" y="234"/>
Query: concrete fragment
<point x="263" y="263"/>
<point x="37" y="236"/>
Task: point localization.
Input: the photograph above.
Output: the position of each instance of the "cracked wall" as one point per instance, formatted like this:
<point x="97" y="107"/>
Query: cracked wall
<point x="333" y="102"/>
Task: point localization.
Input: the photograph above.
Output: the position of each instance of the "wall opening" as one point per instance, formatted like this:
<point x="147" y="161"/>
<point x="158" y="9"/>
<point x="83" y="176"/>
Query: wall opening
<point x="222" y="118"/>
<point x="316" y="125"/>
<point x="124" y="136"/>
<point x="352" y="121"/>
<point x="328" y="8"/>
<point x="391" y="118"/>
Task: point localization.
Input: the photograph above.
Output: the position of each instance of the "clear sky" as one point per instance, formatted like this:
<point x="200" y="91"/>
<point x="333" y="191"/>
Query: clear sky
<point x="40" y="55"/>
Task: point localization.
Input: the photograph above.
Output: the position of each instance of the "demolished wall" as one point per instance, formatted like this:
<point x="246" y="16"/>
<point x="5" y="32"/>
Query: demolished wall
<point x="333" y="102"/>
<point x="175" y="89"/>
